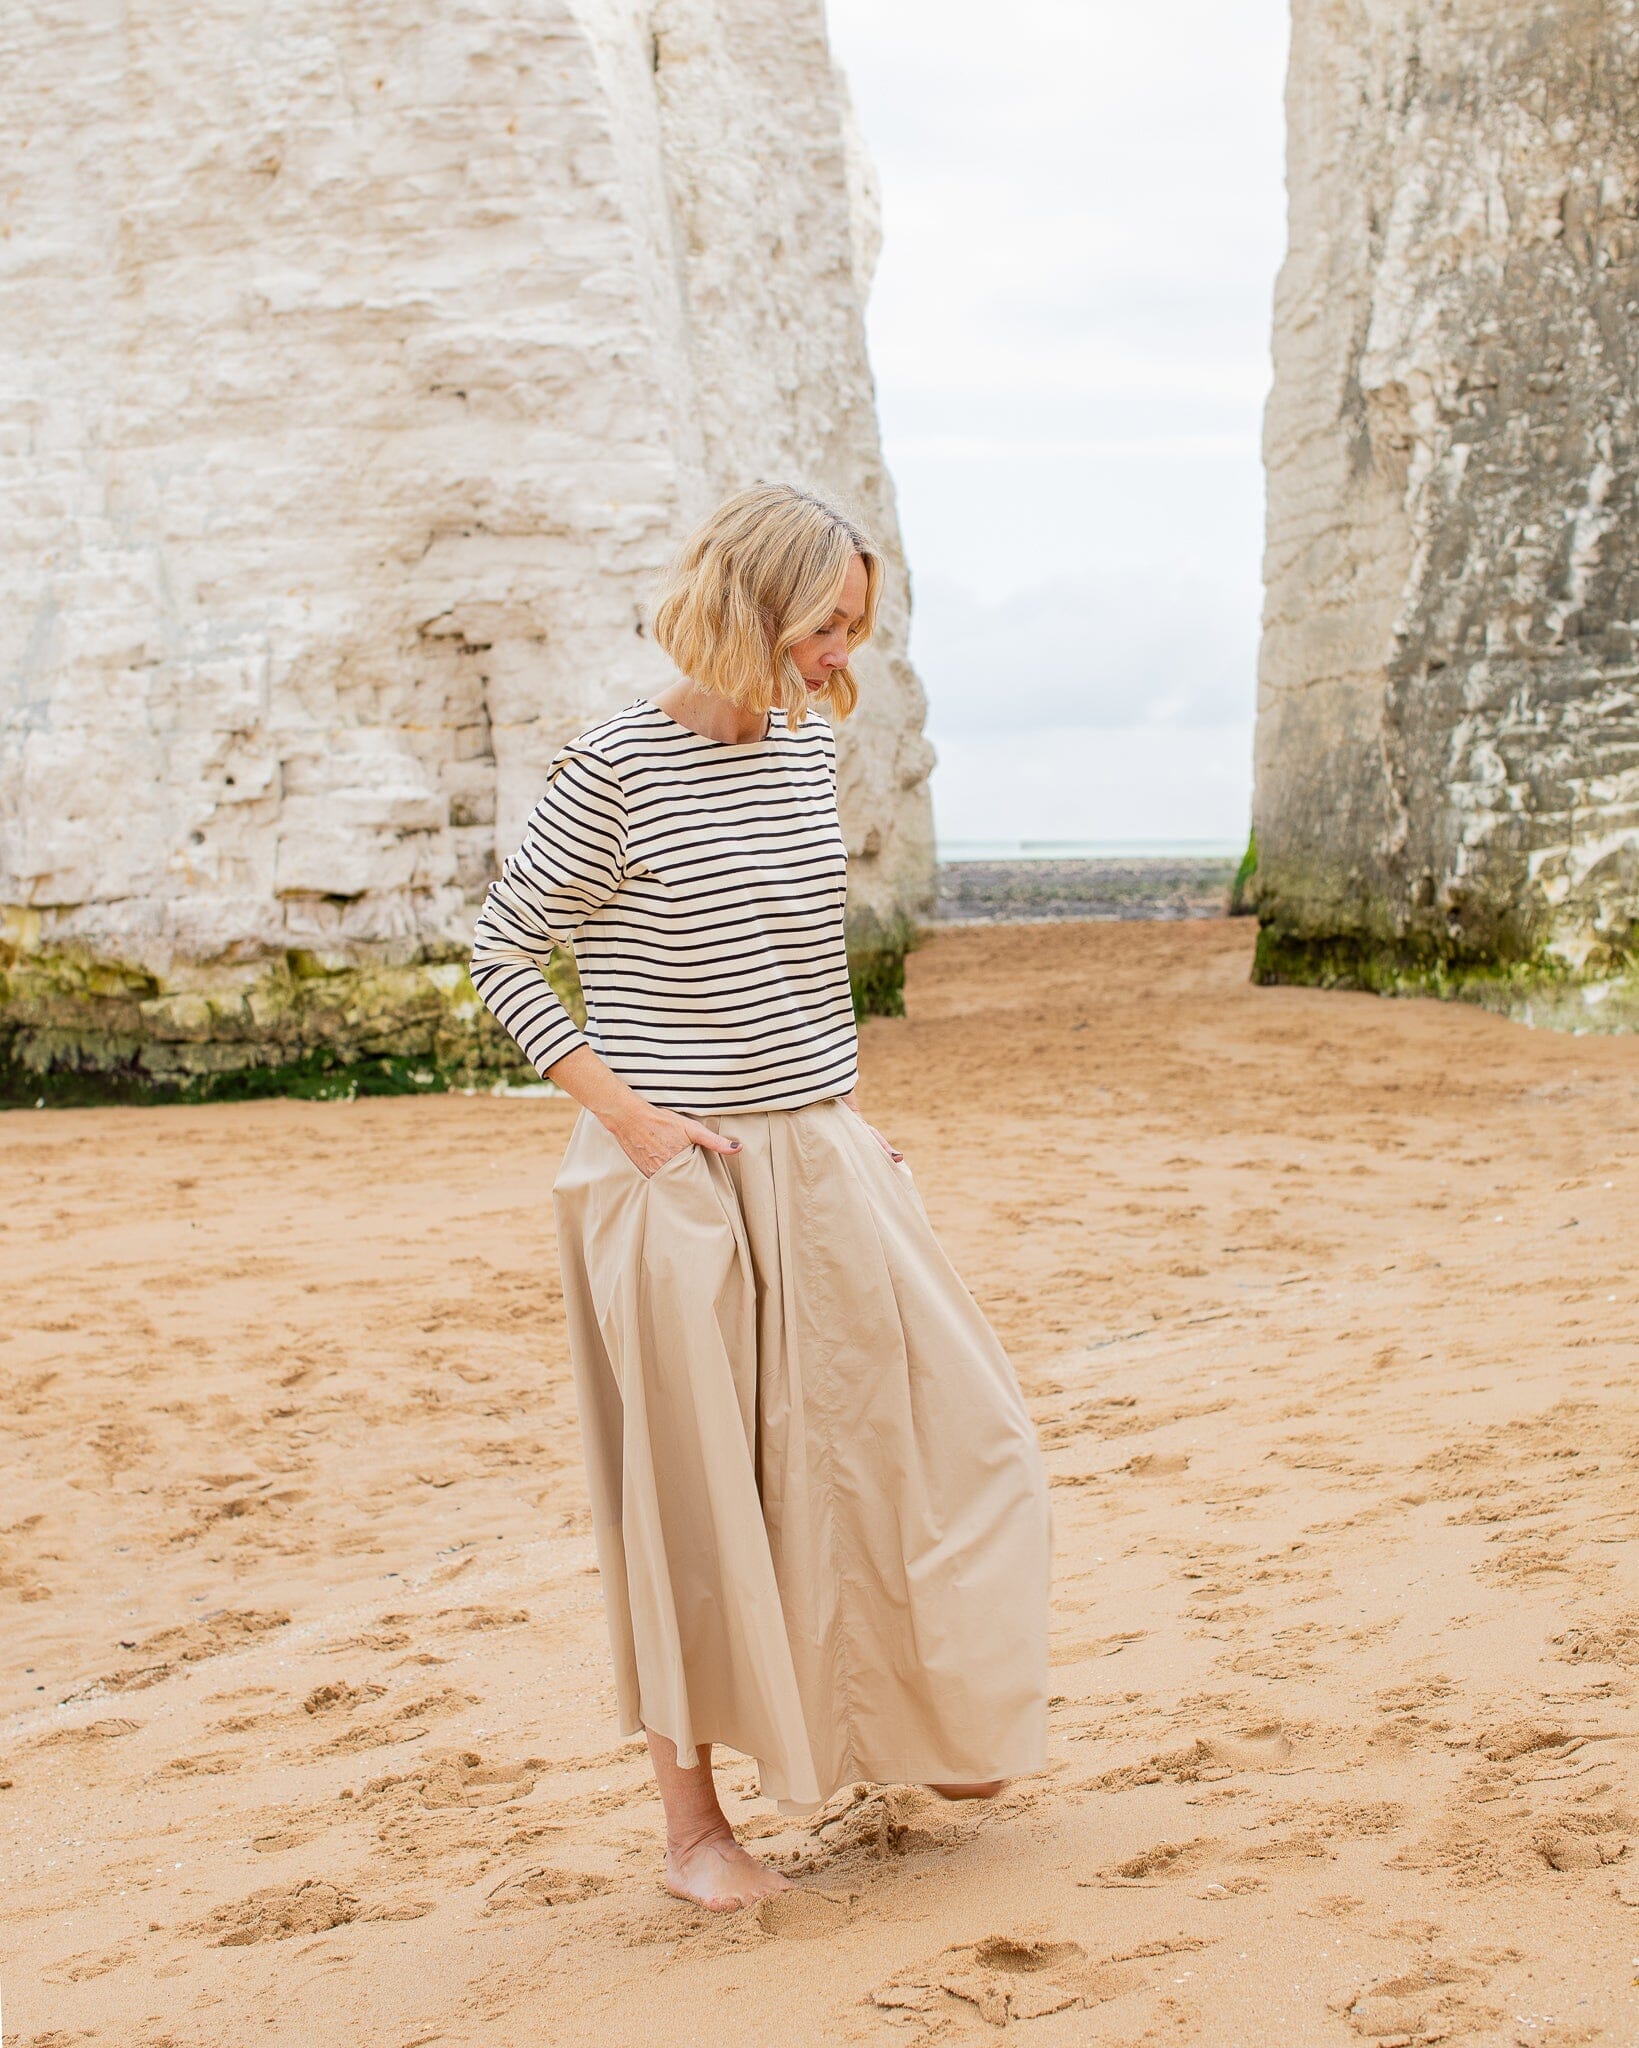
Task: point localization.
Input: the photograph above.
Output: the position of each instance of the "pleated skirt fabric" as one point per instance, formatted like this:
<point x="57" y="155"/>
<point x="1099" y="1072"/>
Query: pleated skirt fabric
<point x="820" y="1508"/>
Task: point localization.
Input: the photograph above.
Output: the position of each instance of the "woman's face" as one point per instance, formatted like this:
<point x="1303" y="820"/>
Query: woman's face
<point x="818" y="654"/>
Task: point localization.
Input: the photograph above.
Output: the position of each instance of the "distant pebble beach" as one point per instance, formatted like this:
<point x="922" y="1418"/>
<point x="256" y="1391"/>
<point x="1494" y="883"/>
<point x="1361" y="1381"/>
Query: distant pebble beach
<point x="1037" y="890"/>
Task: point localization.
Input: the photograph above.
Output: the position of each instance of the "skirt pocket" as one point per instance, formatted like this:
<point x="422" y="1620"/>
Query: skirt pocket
<point x="678" y="1158"/>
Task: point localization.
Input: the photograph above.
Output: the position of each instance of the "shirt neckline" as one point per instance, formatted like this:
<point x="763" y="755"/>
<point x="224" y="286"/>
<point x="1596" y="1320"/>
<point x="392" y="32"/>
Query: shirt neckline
<point x="728" y="746"/>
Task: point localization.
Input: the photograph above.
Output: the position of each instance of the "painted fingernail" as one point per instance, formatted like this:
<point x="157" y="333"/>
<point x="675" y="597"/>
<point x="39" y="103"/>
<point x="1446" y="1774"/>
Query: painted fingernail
<point x="734" y="1144"/>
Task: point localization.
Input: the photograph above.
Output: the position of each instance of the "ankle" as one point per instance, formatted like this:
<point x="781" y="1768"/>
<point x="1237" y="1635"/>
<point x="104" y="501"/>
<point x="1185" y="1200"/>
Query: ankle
<point x="694" y="1834"/>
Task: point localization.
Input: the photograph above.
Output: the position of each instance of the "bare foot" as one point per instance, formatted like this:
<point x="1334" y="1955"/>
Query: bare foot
<point x="987" y="1790"/>
<point x="718" y="1874"/>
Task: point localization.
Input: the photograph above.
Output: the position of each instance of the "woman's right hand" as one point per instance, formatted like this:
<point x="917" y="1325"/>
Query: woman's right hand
<point x="646" y="1133"/>
<point x="650" y="1136"/>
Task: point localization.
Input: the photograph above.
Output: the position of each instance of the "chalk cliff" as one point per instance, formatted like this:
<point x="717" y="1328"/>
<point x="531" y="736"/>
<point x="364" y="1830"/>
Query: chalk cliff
<point x="362" y="367"/>
<point x="1448" y="733"/>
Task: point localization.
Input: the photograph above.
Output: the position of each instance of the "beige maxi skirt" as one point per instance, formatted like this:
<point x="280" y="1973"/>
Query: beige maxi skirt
<point x="820" y="1509"/>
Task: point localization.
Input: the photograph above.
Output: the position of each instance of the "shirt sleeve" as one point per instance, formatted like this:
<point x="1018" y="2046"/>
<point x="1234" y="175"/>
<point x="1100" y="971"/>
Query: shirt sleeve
<point x="572" y="860"/>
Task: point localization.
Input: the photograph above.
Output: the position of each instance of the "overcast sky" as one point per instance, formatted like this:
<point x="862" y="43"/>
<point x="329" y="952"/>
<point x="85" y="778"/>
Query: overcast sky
<point x="1083" y="212"/>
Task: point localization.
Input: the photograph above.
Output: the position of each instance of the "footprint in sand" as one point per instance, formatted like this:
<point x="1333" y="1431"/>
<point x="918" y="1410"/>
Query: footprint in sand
<point x="527" y="1890"/>
<point x="386" y="1633"/>
<point x="276" y="1914"/>
<point x="1513" y="1739"/>
<point x="403" y="1724"/>
<point x="158" y="1656"/>
<point x="482" y="1617"/>
<point x="452" y="1801"/>
<point x="325" y="1699"/>
<point x="1152" y="1866"/>
<point x="805" y="1914"/>
<point x="1302" y="1845"/>
<point x="283" y="1838"/>
<point x="1482" y="1840"/>
<point x="1006" y="1978"/>
<point x="110" y="1729"/>
<point x="1097" y="1646"/>
<point x="1348" y="1819"/>
<point x="1615" y="1641"/>
<point x="1179" y="1766"/>
<point x="93" y="1963"/>
<point x="1157" y="1464"/>
<point x="1266" y="1746"/>
<point x="1584" y="1836"/>
<point x="245" y="1724"/>
<point x="466" y="1780"/>
<point x="1424" y="2004"/>
<point x="211" y="1763"/>
<point x="281" y="1912"/>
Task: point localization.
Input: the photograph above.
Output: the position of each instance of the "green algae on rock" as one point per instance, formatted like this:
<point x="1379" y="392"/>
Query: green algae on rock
<point x="78" y="1030"/>
<point x="876" y="962"/>
<point x="1540" y="991"/>
<point x="1243" y="889"/>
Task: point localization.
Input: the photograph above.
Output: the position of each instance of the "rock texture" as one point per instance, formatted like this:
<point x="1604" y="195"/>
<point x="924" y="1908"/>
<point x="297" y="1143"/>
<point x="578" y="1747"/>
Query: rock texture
<point x="1448" y="737"/>
<point x="362" y="366"/>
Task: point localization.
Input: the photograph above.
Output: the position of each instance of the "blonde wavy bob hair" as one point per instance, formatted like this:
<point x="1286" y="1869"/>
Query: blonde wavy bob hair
<point x="763" y="572"/>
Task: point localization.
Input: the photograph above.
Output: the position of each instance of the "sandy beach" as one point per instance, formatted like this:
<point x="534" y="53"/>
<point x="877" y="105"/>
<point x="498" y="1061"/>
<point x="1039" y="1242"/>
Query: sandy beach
<point x="1325" y="1308"/>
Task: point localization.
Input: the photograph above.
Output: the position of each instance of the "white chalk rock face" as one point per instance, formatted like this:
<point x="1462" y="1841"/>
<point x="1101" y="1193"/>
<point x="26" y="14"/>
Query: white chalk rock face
<point x="1448" y="738"/>
<point x="362" y="368"/>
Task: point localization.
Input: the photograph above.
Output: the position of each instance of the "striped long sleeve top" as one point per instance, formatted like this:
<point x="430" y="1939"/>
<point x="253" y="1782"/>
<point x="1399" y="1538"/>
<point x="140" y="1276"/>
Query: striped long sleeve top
<point x="703" y="884"/>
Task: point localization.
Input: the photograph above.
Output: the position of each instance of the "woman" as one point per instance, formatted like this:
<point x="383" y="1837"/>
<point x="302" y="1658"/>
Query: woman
<point x="820" y="1511"/>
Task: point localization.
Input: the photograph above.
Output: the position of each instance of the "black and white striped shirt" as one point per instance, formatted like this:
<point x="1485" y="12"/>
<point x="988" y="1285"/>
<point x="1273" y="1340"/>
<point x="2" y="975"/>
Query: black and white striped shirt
<point x="703" y="884"/>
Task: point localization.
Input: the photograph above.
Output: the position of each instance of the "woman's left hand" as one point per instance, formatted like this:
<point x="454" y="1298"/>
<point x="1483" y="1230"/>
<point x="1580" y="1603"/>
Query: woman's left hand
<point x="894" y="1155"/>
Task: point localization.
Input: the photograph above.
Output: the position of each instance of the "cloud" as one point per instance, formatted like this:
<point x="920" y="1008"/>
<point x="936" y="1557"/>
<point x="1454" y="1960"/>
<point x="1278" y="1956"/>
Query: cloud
<point x="1083" y="212"/>
<point x="1091" y="175"/>
<point x="1125" y="784"/>
<point x="1111" y="648"/>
